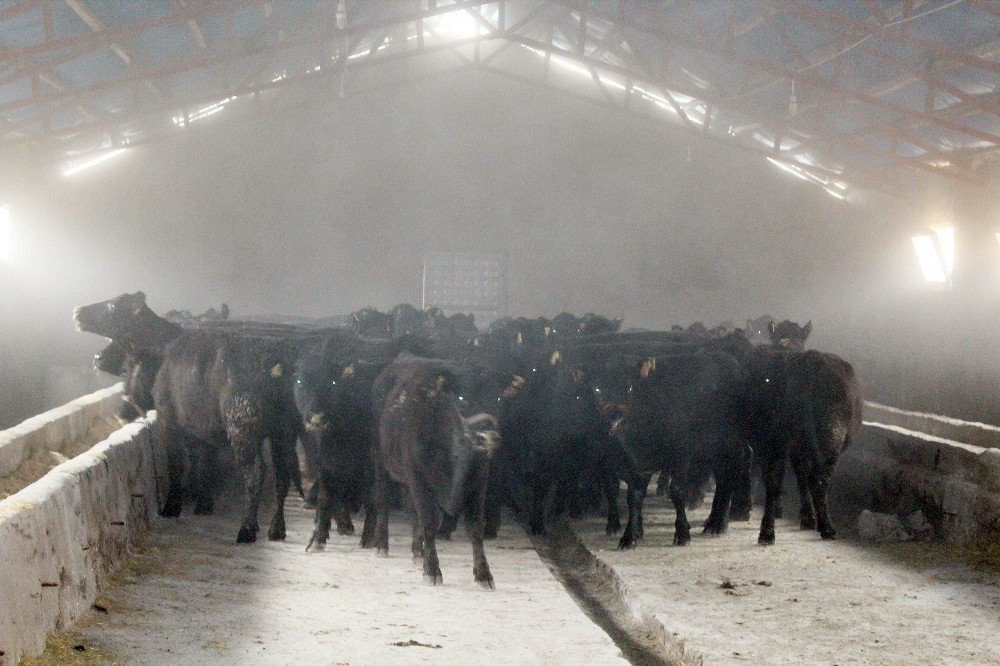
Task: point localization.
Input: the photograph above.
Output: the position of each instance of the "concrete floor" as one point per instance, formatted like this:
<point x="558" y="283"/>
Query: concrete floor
<point x="804" y="600"/>
<point x="196" y="597"/>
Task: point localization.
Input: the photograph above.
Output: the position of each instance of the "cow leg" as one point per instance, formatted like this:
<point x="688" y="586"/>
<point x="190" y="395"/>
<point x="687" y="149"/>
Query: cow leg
<point x="368" y="530"/>
<point x="718" y="519"/>
<point x="474" y="513"/>
<point x="634" y="496"/>
<point x="417" y="542"/>
<point x="807" y="517"/>
<point x="282" y="456"/>
<point x="662" y="484"/>
<point x="175" y="441"/>
<point x="682" y="528"/>
<point x="342" y="511"/>
<point x="247" y="450"/>
<point x="818" y="488"/>
<point x="448" y="525"/>
<point x="207" y="465"/>
<point x="773" y="472"/>
<point x="743" y="490"/>
<point x="324" y="512"/>
<point x="381" y="494"/>
<point x="610" y="486"/>
<point x="427" y="517"/>
<point x="540" y="487"/>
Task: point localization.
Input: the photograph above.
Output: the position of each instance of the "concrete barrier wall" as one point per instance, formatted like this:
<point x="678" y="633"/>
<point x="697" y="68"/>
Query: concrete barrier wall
<point x="894" y="470"/>
<point x="62" y="535"/>
<point x="56" y="427"/>
<point x="978" y="434"/>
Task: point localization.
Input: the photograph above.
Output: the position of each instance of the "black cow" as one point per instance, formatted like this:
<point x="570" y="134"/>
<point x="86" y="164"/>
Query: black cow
<point x="684" y="414"/>
<point x="333" y="392"/>
<point x="370" y="323"/>
<point x="138" y="337"/>
<point x="807" y="408"/>
<point x="442" y="459"/>
<point x="789" y="335"/>
<point x="215" y="389"/>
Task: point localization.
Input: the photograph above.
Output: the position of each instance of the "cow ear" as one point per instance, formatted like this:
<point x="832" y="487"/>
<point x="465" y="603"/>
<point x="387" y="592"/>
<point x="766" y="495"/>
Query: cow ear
<point x="520" y="338"/>
<point x="807" y="329"/>
<point x="141" y="295"/>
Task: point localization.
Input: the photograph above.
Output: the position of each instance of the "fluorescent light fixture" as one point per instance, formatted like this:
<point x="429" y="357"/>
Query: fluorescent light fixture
<point x="946" y="241"/>
<point x="930" y="262"/>
<point x="204" y="112"/>
<point x="790" y="168"/>
<point x="80" y="166"/>
<point x="4" y="233"/>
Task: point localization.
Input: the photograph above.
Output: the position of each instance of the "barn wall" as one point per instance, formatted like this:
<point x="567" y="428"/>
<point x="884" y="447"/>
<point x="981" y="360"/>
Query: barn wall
<point x="329" y="208"/>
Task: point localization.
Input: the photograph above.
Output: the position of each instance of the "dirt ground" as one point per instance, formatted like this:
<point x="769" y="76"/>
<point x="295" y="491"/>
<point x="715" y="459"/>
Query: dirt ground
<point x="805" y="600"/>
<point x="40" y="463"/>
<point x="196" y="597"/>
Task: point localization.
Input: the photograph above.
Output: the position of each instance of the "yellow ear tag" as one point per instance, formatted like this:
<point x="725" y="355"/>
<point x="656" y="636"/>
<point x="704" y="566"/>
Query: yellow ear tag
<point x="277" y="371"/>
<point x="548" y="331"/>
<point x="440" y="382"/>
<point x="517" y="382"/>
<point x="520" y="338"/>
<point x="647" y="368"/>
<point x="348" y="372"/>
<point x="556" y="356"/>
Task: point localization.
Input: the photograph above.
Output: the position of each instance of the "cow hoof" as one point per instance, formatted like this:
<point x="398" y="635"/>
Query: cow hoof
<point x="682" y="539"/>
<point x="829" y="535"/>
<point x="367" y="542"/>
<point x="765" y="539"/>
<point x="627" y="544"/>
<point x="276" y="535"/>
<point x="714" y="530"/>
<point x="807" y="524"/>
<point x="433" y="579"/>
<point x="171" y="509"/>
<point x="346" y="530"/>
<point x="381" y="552"/>
<point x="490" y="533"/>
<point x="613" y="528"/>
<point x="246" y="535"/>
<point x="319" y="545"/>
<point x="487" y="583"/>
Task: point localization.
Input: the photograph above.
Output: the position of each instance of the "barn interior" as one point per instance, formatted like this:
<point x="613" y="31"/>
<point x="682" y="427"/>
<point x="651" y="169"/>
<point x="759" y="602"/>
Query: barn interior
<point x="665" y="162"/>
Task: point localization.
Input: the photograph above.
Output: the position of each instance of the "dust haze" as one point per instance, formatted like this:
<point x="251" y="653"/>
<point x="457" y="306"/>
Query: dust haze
<point x="325" y="208"/>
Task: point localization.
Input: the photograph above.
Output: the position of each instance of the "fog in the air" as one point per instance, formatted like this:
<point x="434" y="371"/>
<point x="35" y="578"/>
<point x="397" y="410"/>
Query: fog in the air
<point x="325" y="208"/>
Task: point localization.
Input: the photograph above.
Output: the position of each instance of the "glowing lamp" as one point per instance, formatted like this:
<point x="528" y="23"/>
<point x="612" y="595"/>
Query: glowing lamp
<point x="936" y="254"/>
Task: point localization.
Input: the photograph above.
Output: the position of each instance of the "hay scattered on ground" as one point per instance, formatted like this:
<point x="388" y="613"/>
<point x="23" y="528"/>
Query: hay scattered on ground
<point x="70" y="649"/>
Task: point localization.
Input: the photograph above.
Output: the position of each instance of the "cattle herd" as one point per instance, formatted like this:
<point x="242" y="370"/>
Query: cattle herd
<point x="544" y="416"/>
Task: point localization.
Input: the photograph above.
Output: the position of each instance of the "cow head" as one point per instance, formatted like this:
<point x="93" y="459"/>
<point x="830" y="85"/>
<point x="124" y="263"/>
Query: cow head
<point x="789" y="335"/>
<point x="759" y="330"/>
<point x="114" y="318"/>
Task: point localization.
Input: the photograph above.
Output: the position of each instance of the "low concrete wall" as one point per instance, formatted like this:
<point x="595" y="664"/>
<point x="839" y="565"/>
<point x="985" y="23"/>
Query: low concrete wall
<point x="62" y="535"/>
<point x="967" y="432"/>
<point x="894" y="470"/>
<point x="52" y="429"/>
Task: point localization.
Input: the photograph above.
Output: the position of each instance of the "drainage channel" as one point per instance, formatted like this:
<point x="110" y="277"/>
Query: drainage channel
<point x="597" y="591"/>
